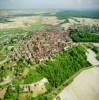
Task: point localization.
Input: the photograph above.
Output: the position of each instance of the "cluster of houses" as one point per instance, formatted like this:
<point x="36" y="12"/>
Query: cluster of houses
<point x="42" y="44"/>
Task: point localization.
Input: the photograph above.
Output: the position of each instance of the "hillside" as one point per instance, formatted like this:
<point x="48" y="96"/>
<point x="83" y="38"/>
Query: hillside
<point x="49" y="54"/>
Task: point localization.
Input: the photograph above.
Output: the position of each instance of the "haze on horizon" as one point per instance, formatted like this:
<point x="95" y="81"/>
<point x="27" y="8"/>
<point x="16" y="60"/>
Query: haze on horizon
<point x="45" y="4"/>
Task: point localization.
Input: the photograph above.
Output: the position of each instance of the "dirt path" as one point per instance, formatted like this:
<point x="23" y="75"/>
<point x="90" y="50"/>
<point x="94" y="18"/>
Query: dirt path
<point x="84" y="87"/>
<point x="91" y="57"/>
<point x="96" y="44"/>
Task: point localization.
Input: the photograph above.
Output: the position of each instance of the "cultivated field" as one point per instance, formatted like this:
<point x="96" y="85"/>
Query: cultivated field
<point x="84" y="86"/>
<point x="73" y="21"/>
<point x="23" y="22"/>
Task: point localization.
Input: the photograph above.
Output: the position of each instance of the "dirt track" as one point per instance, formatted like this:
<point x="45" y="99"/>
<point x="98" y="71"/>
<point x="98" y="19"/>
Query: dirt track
<point x="91" y="57"/>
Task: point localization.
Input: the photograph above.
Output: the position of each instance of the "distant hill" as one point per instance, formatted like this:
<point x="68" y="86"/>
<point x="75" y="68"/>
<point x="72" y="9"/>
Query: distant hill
<point x="87" y="14"/>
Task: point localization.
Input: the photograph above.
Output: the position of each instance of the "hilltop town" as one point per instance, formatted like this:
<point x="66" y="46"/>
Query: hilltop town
<point x="49" y="56"/>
